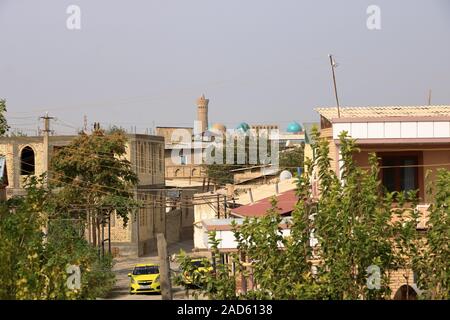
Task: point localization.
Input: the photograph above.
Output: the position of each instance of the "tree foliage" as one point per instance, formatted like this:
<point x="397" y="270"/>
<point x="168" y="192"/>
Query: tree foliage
<point x="291" y="159"/>
<point x="94" y="178"/>
<point x="434" y="259"/>
<point x="33" y="265"/>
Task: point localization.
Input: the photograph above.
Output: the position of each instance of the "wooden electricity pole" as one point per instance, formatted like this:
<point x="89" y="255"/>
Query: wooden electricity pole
<point x="164" y="268"/>
<point x="46" y="132"/>
<point x="333" y="65"/>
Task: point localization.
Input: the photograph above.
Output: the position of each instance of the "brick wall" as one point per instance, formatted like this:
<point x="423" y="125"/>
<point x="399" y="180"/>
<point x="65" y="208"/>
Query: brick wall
<point x="399" y="278"/>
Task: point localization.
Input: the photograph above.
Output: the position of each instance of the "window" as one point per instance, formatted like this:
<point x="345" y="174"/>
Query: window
<point x="182" y="160"/>
<point x="146" y="270"/>
<point x="161" y="159"/>
<point x="27" y="161"/>
<point x="142" y="158"/>
<point x="149" y="157"/>
<point x="400" y="171"/>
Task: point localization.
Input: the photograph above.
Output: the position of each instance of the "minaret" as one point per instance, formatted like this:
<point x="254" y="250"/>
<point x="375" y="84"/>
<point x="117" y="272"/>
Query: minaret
<point x="202" y="112"/>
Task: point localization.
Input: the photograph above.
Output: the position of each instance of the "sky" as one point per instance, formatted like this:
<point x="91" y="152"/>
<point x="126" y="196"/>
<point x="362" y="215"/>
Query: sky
<point x="143" y="63"/>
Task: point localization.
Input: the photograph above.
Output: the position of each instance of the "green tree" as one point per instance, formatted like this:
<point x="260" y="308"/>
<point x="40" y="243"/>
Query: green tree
<point x="291" y="159"/>
<point x="432" y="264"/>
<point x="352" y="225"/>
<point x="220" y="284"/>
<point x="335" y="240"/>
<point x="94" y="179"/>
<point x="353" y="233"/>
<point x="32" y="264"/>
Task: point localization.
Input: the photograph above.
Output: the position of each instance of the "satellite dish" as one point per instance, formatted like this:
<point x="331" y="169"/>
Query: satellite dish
<point x="285" y="175"/>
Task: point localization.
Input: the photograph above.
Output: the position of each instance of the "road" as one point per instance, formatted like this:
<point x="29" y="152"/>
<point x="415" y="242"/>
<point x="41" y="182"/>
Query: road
<point x="123" y="266"/>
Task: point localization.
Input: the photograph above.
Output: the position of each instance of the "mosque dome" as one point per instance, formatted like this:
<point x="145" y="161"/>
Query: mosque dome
<point x="243" y="126"/>
<point x="218" y="128"/>
<point x="294" y="127"/>
<point x="285" y="175"/>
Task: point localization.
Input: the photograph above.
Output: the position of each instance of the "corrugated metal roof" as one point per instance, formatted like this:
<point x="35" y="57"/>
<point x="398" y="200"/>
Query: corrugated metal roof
<point x="286" y="203"/>
<point x="266" y="190"/>
<point x="388" y="111"/>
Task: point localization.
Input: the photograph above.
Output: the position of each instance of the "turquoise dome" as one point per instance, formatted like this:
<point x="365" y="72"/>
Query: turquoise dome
<point x="294" y="127"/>
<point x="243" y="126"/>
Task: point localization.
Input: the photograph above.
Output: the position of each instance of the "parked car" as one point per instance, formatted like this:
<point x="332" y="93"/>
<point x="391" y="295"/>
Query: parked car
<point x="195" y="273"/>
<point x="145" y="278"/>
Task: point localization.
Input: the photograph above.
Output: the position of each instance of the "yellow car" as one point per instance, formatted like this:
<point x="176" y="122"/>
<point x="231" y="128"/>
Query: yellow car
<point x="200" y="268"/>
<point x="145" y="278"/>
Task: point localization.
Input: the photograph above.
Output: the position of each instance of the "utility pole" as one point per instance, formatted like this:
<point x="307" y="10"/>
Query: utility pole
<point x="334" y="65"/>
<point x="429" y="97"/>
<point x="164" y="268"/>
<point x="218" y="206"/>
<point x="46" y="132"/>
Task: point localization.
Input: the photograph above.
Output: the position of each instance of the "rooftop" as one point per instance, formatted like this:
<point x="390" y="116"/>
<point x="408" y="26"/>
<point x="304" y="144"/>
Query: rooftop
<point x="265" y="190"/>
<point x="286" y="202"/>
<point x="183" y="183"/>
<point x="388" y="111"/>
<point x="225" y="224"/>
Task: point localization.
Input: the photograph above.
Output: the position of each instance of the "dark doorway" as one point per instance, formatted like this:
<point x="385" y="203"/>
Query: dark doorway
<point x="405" y="292"/>
<point x="27" y="161"/>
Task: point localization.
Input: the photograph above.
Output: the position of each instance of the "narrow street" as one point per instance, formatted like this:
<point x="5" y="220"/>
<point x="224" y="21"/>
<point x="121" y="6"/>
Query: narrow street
<point x="123" y="266"/>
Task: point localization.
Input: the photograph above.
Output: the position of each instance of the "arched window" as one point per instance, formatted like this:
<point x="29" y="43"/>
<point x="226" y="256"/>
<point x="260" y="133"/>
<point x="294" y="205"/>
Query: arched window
<point x="194" y="172"/>
<point x="27" y="161"/>
<point x="177" y="173"/>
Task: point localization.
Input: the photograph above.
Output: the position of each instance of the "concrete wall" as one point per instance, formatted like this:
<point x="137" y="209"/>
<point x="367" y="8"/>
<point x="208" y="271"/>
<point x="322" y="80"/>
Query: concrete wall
<point x="435" y="159"/>
<point x="146" y="153"/>
<point x="169" y="133"/>
<point x="179" y="225"/>
<point x="195" y="172"/>
<point x="201" y="212"/>
<point x="173" y="226"/>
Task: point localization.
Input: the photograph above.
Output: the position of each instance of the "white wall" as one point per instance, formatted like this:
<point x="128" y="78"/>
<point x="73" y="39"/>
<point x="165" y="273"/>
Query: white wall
<point x="201" y="212"/>
<point x="228" y="241"/>
<point x="393" y="130"/>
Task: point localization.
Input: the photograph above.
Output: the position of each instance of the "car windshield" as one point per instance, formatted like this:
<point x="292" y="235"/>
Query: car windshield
<point x="146" y="270"/>
<point x="198" y="264"/>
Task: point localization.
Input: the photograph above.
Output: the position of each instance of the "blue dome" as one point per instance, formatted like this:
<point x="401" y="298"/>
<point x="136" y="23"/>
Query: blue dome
<point x="294" y="127"/>
<point x="243" y="126"/>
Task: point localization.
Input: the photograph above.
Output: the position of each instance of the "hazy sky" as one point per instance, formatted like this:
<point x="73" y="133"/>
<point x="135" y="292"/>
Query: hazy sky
<point x="261" y="61"/>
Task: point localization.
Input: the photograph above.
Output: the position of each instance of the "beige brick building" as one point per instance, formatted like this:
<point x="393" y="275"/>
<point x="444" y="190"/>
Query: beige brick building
<point x="25" y="156"/>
